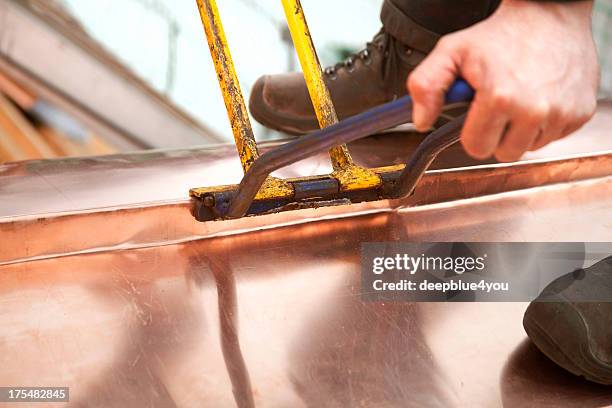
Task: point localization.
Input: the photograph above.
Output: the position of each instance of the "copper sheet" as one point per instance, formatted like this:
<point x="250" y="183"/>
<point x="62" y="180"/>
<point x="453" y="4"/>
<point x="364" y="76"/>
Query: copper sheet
<point x="275" y="316"/>
<point x="271" y="316"/>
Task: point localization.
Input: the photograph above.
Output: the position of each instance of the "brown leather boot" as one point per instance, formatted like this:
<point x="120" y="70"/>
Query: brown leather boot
<point x="370" y="77"/>
<point x="571" y="322"/>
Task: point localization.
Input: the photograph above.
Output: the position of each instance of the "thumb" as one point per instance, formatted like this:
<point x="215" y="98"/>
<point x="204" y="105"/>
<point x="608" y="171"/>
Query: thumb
<point x="428" y="83"/>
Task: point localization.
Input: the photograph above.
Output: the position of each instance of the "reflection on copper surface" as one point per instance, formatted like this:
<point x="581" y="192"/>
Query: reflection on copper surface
<point x="158" y="327"/>
<point x="530" y="379"/>
<point x="228" y="327"/>
<point x="343" y="359"/>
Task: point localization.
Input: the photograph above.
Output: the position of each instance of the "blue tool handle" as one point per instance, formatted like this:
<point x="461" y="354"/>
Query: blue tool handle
<point x="460" y="91"/>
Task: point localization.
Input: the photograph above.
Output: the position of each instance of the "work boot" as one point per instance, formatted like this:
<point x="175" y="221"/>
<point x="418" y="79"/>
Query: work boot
<point x="571" y="322"/>
<point x="370" y="77"/>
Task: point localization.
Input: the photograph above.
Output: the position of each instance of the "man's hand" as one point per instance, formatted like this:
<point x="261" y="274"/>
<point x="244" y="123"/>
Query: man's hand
<point x="534" y="68"/>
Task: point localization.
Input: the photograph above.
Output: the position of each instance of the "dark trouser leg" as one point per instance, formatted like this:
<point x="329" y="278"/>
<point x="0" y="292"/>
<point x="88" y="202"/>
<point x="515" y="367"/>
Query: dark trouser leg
<point x="420" y="23"/>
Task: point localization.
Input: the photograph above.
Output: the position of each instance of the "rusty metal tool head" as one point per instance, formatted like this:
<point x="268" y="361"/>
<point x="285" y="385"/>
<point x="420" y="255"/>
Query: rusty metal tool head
<point x="235" y="201"/>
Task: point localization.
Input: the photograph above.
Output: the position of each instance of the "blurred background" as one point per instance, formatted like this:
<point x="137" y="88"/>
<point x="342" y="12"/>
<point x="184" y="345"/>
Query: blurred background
<point x="163" y="41"/>
<point x="97" y="77"/>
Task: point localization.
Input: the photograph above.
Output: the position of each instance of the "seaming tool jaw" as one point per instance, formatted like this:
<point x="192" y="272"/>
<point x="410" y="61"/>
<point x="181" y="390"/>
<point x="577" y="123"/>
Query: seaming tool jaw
<point x="396" y="181"/>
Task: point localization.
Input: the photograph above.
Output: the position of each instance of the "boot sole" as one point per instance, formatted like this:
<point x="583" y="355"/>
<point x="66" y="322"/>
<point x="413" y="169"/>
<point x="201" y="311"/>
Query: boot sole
<point x="584" y="363"/>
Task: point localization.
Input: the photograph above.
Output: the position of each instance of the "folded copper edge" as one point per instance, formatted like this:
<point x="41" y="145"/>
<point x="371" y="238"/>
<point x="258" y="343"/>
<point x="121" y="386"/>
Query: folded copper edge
<point x="42" y="236"/>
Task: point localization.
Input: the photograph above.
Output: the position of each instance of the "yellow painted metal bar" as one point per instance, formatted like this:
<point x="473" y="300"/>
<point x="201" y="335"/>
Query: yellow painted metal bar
<point x="234" y="101"/>
<point x="348" y="174"/>
<point x="228" y="81"/>
<point x="319" y="94"/>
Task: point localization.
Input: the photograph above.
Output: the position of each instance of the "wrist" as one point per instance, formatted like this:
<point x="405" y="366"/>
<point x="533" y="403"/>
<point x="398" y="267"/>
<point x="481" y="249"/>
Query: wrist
<point x="572" y="14"/>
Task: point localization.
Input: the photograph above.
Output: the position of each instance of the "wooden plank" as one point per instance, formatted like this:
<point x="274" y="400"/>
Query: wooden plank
<point x="21" y="130"/>
<point x="23" y="98"/>
<point x="26" y="100"/>
<point x="98" y="146"/>
<point x="9" y="149"/>
<point x="62" y="145"/>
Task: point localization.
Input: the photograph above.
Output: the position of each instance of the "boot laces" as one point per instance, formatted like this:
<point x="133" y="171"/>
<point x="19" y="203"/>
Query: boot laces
<point x="391" y="49"/>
